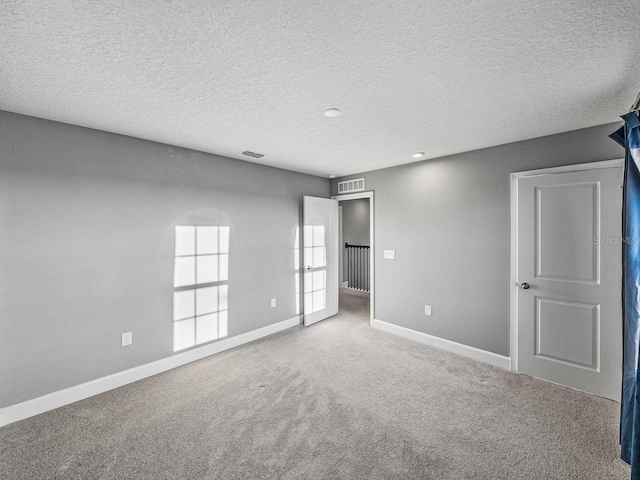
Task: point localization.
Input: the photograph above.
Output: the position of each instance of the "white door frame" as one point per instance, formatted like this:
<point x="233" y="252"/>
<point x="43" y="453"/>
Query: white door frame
<point x="340" y="254"/>
<point x="513" y="260"/>
<point x="369" y="195"/>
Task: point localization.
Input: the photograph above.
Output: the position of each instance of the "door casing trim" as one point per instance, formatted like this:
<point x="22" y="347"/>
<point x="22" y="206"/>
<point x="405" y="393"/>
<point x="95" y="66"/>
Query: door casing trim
<point x="372" y="271"/>
<point x="513" y="253"/>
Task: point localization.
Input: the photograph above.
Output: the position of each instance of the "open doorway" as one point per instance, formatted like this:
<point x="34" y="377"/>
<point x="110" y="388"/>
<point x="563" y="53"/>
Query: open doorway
<point x="356" y="267"/>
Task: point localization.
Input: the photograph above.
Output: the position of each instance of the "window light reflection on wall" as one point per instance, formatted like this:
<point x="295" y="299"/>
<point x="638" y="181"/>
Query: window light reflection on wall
<point x="200" y="298"/>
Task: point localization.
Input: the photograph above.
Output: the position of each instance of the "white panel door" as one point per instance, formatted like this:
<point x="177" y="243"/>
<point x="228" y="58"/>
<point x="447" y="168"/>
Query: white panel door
<point x="320" y="258"/>
<point x="570" y="279"/>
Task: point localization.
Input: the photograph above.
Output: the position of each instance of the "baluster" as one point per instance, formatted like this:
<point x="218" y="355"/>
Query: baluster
<point x="351" y="267"/>
<point x="366" y="275"/>
<point x="358" y="268"/>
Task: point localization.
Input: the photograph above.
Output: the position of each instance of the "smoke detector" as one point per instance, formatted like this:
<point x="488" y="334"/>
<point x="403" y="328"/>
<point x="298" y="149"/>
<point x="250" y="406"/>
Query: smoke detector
<point x="332" y="112"/>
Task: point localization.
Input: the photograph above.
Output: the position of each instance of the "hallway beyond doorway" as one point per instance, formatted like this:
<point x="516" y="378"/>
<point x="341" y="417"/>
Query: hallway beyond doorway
<point x="355" y="303"/>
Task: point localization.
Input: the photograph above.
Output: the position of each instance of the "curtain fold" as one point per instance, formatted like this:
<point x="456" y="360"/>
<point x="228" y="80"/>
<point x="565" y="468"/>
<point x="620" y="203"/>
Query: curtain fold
<point x="629" y="137"/>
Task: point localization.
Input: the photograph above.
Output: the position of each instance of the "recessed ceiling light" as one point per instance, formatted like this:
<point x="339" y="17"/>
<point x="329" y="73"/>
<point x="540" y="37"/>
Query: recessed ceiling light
<point x="418" y="154"/>
<point x="249" y="153"/>
<point x="332" y="112"/>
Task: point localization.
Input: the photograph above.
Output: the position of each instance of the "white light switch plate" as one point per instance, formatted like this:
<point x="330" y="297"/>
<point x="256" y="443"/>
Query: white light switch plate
<point x="427" y="310"/>
<point x="273" y="302"/>
<point x="390" y="254"/>
<point x="127" y="339"/>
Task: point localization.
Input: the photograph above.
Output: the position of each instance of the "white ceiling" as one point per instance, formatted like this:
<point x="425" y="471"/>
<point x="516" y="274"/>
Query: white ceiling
<point x="414" y="75"/>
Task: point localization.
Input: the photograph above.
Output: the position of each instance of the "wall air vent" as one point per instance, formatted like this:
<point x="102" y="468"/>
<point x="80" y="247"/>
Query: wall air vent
<point x="349" y="186"/>
<point x="251" y="154"/>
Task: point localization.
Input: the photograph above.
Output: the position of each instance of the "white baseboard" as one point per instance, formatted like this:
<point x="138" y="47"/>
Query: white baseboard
<point x="437" y="342"/>
<point x="39" y="405"/>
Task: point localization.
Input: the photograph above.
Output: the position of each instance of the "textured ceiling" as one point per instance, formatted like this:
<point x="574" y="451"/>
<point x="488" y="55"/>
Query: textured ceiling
<point x="415" y="75"/>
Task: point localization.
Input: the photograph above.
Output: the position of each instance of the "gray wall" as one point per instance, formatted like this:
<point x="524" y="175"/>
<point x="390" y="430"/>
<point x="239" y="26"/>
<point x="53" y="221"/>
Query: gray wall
<point x="448" y="220"/>
<point x="355" y="221"/>
<point x="87" y="235"/>
<point x="355" y="226"/>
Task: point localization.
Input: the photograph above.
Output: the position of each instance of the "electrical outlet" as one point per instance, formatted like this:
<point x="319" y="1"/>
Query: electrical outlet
<point x="127" y="339"/>
<point x="427" y="310"/>
<point x="390" y="254"/>
<point x="273" y="302"/>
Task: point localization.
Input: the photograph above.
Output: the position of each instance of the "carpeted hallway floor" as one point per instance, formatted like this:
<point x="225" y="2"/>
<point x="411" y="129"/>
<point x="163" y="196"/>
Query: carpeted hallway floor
<point x="334" y="400"/>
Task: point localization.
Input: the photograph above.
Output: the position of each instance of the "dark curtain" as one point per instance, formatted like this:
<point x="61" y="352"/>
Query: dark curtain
<point x="629" y="137"/>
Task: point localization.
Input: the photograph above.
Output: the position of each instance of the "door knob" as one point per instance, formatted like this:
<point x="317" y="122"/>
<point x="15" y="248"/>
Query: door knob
<point x="307" y="267"/>
<point x="525" y="286"/>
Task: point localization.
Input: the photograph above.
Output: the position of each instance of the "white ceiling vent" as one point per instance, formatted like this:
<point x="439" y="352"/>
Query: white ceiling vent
<point x="348" y="186"/>
<point x="249" y="153"/>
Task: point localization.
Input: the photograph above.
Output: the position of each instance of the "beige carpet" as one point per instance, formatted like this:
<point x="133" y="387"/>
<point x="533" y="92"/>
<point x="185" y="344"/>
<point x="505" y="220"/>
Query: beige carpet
<point x="335" y="400"/>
